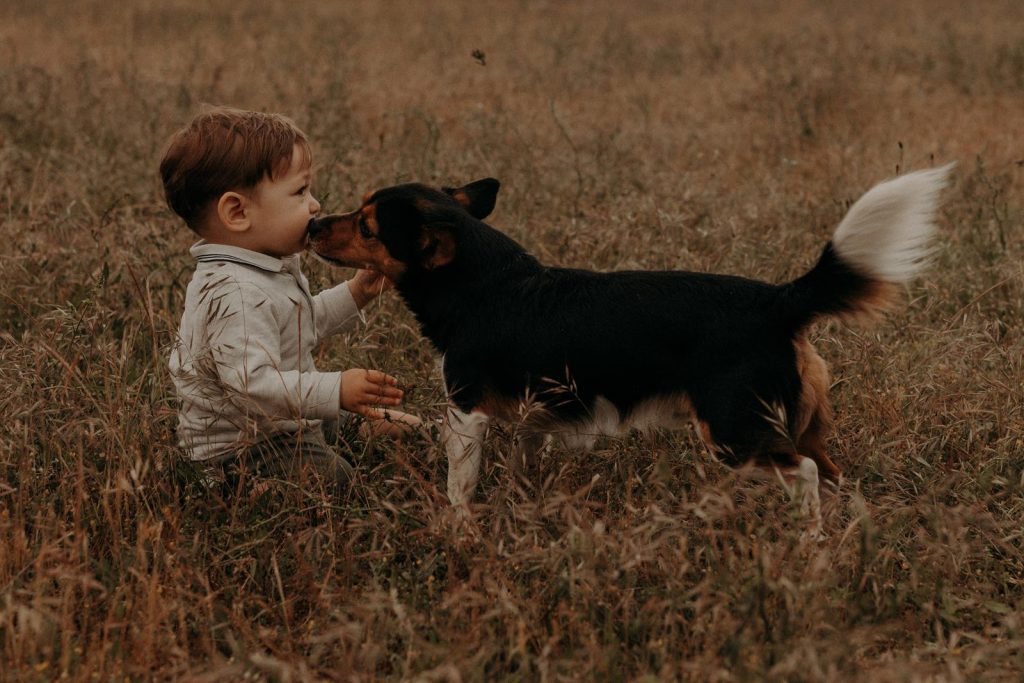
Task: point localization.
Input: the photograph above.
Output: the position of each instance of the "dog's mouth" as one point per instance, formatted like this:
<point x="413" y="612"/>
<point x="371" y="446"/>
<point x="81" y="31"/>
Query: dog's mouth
<point x="328" y="260"/>
<point x="314" y="234"/>
<point x="331" y="261"/>
<point x="310" y="244"/>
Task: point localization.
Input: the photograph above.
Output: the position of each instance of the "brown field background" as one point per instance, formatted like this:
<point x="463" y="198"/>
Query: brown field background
<point x="704" y="136"/>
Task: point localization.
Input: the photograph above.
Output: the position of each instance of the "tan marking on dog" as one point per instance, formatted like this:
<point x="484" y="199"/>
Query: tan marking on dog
<point x="878" y="299"/>
<point x="342" y="242"/>
<point x="384" y="263"/>
<point x="380" y="258"/>
<point x="424" y="205"/>
<point x="440" y="243"/>
<point x="814" y="412"/>
<point x="494" y="404"/>
<point x="335" y="241"/>
<point x="369" y="212"/>
<point x="461" y="197"/>
<point x="704" y="432"/>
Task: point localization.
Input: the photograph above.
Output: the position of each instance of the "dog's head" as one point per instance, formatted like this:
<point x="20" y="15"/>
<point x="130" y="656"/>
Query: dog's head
<point x="402" y="228"/>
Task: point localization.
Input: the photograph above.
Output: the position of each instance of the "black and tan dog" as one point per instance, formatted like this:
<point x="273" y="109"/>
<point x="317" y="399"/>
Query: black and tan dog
<point x="577" y="354"/>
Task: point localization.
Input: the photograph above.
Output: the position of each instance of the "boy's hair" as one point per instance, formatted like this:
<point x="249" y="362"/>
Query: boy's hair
<point x="222" y="150"/>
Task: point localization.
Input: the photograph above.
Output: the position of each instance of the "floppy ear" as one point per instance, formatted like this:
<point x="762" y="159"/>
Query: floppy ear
<point x="477" y="198"/>
<point x="437" y="245"/>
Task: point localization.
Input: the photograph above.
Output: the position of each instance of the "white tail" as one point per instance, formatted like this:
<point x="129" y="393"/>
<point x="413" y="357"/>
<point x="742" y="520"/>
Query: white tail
<point x="886" y="235"/>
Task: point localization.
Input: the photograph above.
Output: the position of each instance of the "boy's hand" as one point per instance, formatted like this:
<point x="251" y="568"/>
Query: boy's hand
<point x="366" y="285"/>
<point x="363" y="390"/>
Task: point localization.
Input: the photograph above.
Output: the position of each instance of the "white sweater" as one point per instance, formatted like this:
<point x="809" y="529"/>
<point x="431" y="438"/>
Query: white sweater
<point x="242" y="363"/>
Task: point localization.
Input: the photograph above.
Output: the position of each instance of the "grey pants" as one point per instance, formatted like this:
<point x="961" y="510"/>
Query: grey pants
<point x="295" y="457"/>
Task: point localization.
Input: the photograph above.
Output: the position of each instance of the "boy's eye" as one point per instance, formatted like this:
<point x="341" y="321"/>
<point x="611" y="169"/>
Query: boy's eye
<point x="303" y="189"/>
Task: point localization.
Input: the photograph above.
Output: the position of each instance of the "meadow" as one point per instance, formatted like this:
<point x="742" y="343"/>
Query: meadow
<point x="712" y="136"/>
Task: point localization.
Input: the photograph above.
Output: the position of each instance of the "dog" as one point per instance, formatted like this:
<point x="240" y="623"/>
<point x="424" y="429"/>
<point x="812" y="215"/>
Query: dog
<point x="577" y="353"/>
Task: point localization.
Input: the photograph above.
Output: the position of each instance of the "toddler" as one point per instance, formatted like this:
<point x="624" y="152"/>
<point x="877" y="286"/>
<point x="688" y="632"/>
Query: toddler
<point x="242" y="363"/>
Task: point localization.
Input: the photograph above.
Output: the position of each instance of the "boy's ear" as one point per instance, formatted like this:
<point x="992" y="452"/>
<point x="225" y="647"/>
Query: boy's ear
<point x="437" y="245"/>
<point x="231" y="211"/>
<point x="477" y="198"/>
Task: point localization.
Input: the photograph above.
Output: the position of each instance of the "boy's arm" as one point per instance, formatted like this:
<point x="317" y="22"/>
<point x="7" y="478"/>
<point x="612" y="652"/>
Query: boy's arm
<point x="335" y="310"/>
<point x="338" y="308"/>
<point x="245" y="342"/>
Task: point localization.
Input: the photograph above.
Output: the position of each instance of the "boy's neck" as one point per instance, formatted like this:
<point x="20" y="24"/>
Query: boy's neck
<point x="241" y="240"/>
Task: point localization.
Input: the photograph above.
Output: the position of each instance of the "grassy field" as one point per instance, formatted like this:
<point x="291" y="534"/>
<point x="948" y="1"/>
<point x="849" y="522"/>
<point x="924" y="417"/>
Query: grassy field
<point x="703" y="136"/>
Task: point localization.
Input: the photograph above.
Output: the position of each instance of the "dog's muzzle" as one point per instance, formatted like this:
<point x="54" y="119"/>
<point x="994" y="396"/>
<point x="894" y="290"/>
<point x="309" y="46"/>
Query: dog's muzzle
<point x="316" y="227"/>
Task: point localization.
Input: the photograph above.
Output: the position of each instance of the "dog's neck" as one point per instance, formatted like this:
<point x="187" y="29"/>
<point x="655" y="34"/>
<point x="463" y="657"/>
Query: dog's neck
<point x="488" y="266"/>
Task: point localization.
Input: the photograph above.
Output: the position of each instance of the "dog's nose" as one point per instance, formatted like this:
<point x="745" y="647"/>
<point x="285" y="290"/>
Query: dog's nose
<point x="315" y="227"/>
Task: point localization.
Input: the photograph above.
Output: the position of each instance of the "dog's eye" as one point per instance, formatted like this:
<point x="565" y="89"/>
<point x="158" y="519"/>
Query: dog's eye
<point x="364" y="231"/>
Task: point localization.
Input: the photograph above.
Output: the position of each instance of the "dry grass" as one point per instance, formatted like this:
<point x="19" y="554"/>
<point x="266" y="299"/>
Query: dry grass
<point x="707" y="136"/>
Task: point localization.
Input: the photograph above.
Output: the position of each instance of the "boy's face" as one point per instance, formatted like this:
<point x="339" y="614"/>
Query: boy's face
<point x="281" y="208"/>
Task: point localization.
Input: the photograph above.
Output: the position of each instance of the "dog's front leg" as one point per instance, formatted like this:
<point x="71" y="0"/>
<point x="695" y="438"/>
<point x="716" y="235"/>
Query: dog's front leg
<point x="463" y="441"/>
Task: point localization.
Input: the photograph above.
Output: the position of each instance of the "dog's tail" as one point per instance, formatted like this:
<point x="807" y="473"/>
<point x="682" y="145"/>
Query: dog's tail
<point x="884" y="240"/>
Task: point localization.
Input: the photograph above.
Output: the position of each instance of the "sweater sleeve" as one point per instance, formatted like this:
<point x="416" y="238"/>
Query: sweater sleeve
<point x="245" y="343"/>
<point x="334" y="311"/>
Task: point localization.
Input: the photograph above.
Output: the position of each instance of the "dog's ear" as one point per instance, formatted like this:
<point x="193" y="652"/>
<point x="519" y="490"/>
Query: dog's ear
<point x="477" y="198"/>
<point x="437" y="245"/>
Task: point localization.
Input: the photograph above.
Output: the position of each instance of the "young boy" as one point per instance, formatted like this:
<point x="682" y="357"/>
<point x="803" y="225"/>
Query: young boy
<point x="242" y="364"/>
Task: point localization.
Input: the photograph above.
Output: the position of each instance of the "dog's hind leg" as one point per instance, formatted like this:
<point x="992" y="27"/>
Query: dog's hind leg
<point x="799" y="476"/>
<point x="463" y="437"/>
<point x="806" y="492"/>
<point x="814" y="417"/>
<point x="812" y="445"/>
<point x="800" y="479"/>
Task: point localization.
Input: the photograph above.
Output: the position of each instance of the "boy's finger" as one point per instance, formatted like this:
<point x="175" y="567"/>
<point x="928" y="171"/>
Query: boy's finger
<point x="372" y="413"/>
<point x="374" y="391"/>
<point x="378" y="377"/>
<point x="376" y="399"/>
<point x="389" y="392"/>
